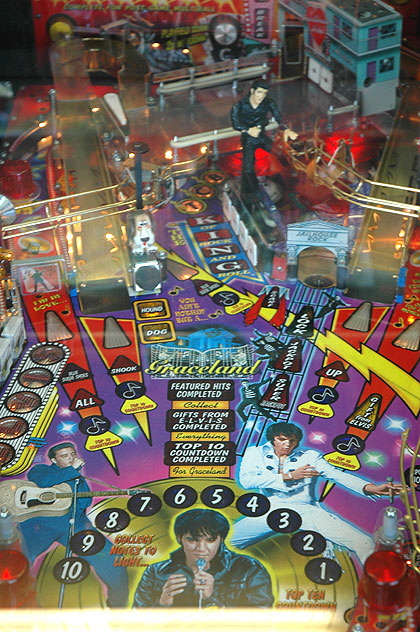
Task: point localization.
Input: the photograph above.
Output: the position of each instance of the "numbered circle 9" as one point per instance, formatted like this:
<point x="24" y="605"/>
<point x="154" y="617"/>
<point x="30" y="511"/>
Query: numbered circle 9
<point x="284" y="520"/>
<point x="144" y="504"/>
<point x="323" y="570"/>
<point x="88" y="542"/>
<point x="308" y="543"/>
<point x="180" y="496"/>
<point x="252" y="505"/>
<point x="217" y="496"/>
<point x="71" y="570"/>
<point x="112" y="520"/>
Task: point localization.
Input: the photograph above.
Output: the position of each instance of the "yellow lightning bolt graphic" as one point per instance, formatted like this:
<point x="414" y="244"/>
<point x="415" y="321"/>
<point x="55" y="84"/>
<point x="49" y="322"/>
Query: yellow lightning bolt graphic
<point x="367" y="361"/>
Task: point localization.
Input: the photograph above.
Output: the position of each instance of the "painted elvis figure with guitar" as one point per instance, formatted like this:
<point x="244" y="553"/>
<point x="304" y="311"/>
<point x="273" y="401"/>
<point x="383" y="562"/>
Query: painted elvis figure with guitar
<point x="49" y="525"/>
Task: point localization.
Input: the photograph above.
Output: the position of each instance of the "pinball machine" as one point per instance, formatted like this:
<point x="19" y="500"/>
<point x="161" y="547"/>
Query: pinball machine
<point x="161" y="335"/>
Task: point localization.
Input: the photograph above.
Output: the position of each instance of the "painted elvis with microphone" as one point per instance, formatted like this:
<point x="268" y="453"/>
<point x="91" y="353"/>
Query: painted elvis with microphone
<point x="204" y="572"/>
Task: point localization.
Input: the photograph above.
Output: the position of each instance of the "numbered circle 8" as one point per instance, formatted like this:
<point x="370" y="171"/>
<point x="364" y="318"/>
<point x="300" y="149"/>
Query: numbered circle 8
<point x="217" y="496"/>
<point x="180" y="496"/>
<point x="252" y="505"/>
<point x="88" y="542"/>
<point x="112" y="520"/>
<point x="144" y="504"/>
<point x="71" y="570"/>
<point x="284" y="520"/>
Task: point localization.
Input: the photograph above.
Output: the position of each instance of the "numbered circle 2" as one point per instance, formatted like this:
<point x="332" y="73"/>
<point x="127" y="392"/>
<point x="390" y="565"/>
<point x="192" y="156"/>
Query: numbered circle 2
<point x="88" y="542"/>
<point x="71" y="570"/>
<point x="144" y="504"/>
<point x="252" y="505"/>
<point x="322" y="570"/>
<point x="180" y="496"/>
<point x="112" y="520"/>
<point x="217" y="496"/>
<point x="284" y="520"/>
<point x="308" y="543"/>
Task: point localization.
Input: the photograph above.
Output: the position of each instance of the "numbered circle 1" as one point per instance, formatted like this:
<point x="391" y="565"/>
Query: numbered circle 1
<point x="94" y="426"/>
<point x="144" y="504"/>
<point x="71" y="570"/>
<point x="217" y="496"/>
<point x="284" y="520"/>
<point x="112" y="520"/>
<point x="88" y="542"/>
<point x="180" y="496"/>
<point x="130" y="390"/>
<point x="253" y="505"/>
<point x="348" y="444"/>
<point x="308" y="543"/>
<point x="323" y="570"/>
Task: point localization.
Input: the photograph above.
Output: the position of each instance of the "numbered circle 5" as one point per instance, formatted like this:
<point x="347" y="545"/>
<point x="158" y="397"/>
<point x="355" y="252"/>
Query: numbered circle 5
<point x="217" y="496"/>
<point x="71" y="570"/>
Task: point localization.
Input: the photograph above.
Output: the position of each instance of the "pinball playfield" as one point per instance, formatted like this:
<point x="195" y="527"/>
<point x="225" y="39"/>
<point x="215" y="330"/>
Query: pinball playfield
<point x="159" y="336"/>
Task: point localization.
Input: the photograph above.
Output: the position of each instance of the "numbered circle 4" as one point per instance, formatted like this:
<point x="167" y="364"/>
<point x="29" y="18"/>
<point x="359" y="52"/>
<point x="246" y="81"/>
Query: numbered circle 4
<point x="253" y="505"/>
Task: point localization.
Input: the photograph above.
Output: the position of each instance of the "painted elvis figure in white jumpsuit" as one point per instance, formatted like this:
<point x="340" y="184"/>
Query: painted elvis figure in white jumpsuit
<point x="287" y="476"/>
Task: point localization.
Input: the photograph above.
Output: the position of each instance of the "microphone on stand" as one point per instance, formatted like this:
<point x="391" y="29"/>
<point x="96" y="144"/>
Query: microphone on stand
<point x="200" y="563"/>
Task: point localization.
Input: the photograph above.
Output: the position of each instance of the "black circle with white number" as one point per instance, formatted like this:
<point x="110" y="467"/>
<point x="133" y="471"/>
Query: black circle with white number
<point x="181" y="496"/>
<point x="94" y="426"/>
<point x="308" y="543"/>
<point x="284" y="520"/>
<point x="71" y="570"/>
<point x="253" y="505"/>
<point x="144" y="504"/>
<point x="225" y="299"/>
<point x="87" y="542"/>
<point x="112" y="520"/>
<point x="217" y="496"/>
<point x="130" y="390"/>
<point x="323" y="570"/>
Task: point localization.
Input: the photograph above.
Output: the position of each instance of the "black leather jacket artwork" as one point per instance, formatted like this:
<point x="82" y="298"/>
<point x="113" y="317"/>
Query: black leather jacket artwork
<point x="239" y="581"/>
